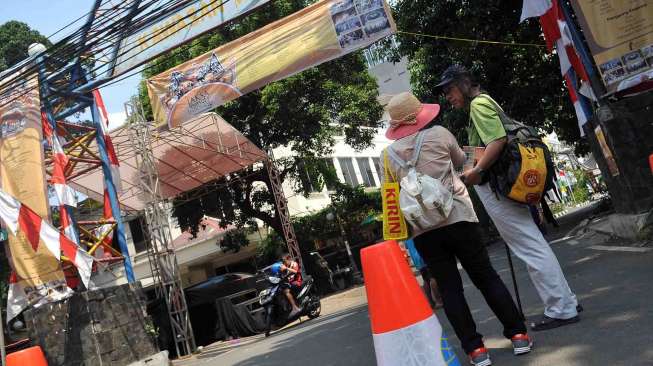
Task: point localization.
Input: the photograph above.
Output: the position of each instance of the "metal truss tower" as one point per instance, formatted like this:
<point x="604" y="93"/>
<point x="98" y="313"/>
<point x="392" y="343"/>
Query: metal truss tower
<point x="162" y="258"/>
<point x="282" y="209"/>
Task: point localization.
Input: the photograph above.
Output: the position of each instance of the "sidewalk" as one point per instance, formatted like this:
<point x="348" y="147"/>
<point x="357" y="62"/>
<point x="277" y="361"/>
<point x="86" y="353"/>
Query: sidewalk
<point x="611" y="280"/>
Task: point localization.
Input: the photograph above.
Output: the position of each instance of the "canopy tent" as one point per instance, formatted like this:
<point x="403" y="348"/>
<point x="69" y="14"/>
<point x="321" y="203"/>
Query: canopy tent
<point x="202" y="150"/>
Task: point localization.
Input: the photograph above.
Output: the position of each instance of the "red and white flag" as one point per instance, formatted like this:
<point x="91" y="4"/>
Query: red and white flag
<point x="580" y="112"/>
<point x="111" y="152"/>
<point x="16" y="297"/>
<point x="534" y="8"/>
<point x="65" y="194"/>
<point x="17" y="216"/>
<point x="103" y="229"/>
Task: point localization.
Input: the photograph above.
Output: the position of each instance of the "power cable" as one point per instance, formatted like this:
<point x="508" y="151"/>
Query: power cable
<point x="160" y="11"/>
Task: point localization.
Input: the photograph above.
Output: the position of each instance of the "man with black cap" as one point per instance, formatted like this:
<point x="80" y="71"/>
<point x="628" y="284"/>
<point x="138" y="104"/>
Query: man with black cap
<point x="512" y="219"/>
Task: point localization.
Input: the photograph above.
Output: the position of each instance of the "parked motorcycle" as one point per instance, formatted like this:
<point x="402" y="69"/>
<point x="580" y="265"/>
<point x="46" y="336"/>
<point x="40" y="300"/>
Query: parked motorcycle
<point x="276" y="305"/>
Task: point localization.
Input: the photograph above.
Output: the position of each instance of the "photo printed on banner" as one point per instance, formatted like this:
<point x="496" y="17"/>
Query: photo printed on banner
<point x="356" y="21"/>
<point x="375" y="21"/>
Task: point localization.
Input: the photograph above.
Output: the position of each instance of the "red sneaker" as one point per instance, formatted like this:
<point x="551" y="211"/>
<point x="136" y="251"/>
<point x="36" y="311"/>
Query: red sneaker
<point x="480" y="357"/>
<point x="521" y="344"/>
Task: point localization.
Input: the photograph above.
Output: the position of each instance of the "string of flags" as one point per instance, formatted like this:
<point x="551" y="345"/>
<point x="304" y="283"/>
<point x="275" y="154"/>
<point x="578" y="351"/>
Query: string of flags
<point x="20" y="218"/>
<point x="64" y="193"/>
<point x="558" y="33"/>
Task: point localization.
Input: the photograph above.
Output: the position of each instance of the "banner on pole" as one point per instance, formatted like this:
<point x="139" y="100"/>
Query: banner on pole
<point x="321" y="32"/>
<point x="620" y="36"/>
<point x="23" y="176"/>
<point x="171" y="30"/>
<point x="607" y="153"/>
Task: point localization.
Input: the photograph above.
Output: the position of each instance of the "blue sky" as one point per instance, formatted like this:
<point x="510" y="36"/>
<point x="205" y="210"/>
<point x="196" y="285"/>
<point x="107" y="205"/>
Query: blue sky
<point x="47" y="18"/>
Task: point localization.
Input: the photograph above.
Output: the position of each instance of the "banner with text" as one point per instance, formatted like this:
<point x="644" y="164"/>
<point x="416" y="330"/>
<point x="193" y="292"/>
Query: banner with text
<point x="321" y="32"/>
<point x="23" y="176"/>
<point x="620" y="36"/>
<point x="179" y="27"/>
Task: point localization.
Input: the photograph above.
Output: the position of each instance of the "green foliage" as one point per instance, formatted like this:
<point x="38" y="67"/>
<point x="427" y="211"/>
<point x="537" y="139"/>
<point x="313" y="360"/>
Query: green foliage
<point x="269" y="250"/>
<point x="526" y="81"/>
<point x="580" y="191"/>
<point x="304" y="112"/>
<point x="15" y="38"/>
<point x="234" y="240"/>
<point x="352" y="205"/>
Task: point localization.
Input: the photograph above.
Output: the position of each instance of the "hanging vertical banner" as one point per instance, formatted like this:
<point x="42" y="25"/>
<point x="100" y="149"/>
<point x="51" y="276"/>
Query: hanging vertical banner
<point x="321" y="32"/>
<point x="22" y="170"/>
<point x="607" y="153"/>
<point x="173" y="29"/>
<point x="620" y="36"/>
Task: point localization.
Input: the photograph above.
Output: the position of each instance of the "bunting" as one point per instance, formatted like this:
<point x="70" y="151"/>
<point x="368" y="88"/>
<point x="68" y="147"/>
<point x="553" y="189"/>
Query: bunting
<point x="19" y="217"/>
<point x="557" y="32"/>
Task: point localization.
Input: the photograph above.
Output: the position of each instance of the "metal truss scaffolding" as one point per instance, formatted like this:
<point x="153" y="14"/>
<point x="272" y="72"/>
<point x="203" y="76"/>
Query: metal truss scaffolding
<point x="162" y="258"/>
<point x="282" y="209"/>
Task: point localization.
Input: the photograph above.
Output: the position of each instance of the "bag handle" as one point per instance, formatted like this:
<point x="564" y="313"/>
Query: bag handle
<point x="386" y="167"/>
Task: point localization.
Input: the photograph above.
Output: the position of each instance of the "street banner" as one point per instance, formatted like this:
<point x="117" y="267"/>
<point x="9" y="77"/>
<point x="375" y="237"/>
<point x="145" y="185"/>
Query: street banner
<point x="174" y="29"/>
<point x="620" y="36"/>
<point x="607" y="153"/>
<point x="22" y="170"/>
<point x="321" y="32"/>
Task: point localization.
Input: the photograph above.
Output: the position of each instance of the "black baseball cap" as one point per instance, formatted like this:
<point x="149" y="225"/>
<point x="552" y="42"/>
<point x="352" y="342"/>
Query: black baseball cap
<point x="453" y="73"/>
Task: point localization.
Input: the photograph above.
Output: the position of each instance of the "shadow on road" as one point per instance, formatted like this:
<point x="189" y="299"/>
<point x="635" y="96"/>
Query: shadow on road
<point x="337" y="339"/>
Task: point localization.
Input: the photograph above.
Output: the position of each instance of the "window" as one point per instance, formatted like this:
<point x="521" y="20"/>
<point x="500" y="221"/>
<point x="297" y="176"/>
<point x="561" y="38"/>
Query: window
<point x="378" y="167"/>
<point x="366" y="172"/>
<point x="309" y="183"/>
<point x="348" y="171"/>
<point x="138" y="237"/>
<point x="331" y="169"/>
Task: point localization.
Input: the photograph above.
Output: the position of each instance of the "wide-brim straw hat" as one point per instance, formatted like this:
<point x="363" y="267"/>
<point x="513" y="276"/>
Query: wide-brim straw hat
<point x="408" y="115"/>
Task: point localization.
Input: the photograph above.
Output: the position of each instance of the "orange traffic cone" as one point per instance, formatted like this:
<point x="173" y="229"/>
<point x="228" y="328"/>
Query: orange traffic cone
<point x="404" y="327"/>
<point x="32" y="356"/>
<point x="650" y="162"/>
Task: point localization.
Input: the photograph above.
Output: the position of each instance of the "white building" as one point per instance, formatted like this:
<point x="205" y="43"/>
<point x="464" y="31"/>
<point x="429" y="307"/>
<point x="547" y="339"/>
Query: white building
<point x="353" y="167"/>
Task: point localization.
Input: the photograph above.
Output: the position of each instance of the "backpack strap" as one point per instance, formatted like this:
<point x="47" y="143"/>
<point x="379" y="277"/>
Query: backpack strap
<point x="413" y="162"/>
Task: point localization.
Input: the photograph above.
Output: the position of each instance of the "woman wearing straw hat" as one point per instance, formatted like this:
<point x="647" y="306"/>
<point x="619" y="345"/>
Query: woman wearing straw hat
<point x="458" y="237"/>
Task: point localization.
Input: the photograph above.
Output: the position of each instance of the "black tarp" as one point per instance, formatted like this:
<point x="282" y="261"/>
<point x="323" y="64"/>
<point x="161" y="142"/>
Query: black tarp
<point x="234" y="321"/>
<point x="217" y="287"/>
<point x="222" y="320"/>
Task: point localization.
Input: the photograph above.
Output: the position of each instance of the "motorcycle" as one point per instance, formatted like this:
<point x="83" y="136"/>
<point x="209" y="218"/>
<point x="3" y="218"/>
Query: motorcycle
<point x="276" y="305"/>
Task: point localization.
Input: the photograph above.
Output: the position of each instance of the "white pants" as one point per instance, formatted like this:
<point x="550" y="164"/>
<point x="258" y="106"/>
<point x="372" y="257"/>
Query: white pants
<point x="517" y="228"/>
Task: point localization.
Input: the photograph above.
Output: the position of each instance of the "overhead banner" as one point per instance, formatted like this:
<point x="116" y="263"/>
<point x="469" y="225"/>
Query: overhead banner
<point x="321" y="32"/>
<point x="171" y="30"/>
<point x="620" y="36"/>
<point x="23" y="176"/>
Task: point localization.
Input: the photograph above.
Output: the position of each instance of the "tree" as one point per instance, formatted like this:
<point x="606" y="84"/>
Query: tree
<point x="15" y="38"/>
<point x="304" y="112"/>
<point x="525" y="80"/>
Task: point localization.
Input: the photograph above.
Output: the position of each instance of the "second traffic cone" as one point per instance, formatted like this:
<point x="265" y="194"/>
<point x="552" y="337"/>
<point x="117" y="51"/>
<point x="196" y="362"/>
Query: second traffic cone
<point x="404" y="327"/>
<point x="32" y="356"/>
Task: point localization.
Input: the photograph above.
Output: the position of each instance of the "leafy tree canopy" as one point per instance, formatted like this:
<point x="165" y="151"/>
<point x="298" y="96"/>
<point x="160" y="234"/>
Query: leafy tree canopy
<point x="15" y="38"/>
<point x="526" y="81"/>
<point x="304" y="112"/>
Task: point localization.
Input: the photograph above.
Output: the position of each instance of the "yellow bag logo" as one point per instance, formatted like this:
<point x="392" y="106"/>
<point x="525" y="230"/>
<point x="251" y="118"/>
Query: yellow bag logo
<point x="530" y="182"/>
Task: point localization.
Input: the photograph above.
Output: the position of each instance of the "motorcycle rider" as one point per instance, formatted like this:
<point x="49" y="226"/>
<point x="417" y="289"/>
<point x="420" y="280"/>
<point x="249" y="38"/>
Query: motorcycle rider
<point x="294" y="282"/>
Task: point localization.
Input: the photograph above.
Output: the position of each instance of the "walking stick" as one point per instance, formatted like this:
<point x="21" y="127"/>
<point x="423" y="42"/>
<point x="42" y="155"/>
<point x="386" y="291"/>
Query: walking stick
<point x="514" y="281"/>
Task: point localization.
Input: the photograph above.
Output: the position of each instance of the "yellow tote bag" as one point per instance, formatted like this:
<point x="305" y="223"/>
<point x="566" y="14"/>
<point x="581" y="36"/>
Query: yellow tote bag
<point x="394" y="225"/>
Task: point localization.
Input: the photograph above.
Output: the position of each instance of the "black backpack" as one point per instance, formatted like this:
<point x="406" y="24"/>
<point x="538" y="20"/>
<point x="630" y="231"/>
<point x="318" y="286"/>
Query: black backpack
<point x="524" y="171"/>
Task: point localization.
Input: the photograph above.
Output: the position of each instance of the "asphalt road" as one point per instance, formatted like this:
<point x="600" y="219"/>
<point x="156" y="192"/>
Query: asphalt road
<point x="613" y="286"/>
